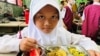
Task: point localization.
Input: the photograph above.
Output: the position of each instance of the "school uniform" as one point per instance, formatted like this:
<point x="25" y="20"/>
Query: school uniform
<point x="91" y="18"/>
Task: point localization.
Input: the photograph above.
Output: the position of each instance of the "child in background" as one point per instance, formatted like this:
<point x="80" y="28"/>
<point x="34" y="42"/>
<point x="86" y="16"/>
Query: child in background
<point x="70" y="15"/>
<point x="91" y="15"/>
<point x="26" y="13"/>
<point x="45" y="29"/>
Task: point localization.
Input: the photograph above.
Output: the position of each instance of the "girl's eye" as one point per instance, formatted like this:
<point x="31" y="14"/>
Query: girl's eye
<point x="55" y="17"/>
<point x="41" y="17"/>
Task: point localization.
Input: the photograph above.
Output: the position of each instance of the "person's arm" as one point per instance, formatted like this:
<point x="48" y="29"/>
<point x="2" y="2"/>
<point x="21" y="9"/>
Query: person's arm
<point x="86" y="43"/>
<point x="9" y="44"/>
<point x="63" y="12"/>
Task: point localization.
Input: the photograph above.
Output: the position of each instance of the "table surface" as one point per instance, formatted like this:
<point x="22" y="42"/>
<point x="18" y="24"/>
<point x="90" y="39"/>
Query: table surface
<point x="20" y="18"/>
<point x="8" y="54"/>
<point x="13" y="24"/>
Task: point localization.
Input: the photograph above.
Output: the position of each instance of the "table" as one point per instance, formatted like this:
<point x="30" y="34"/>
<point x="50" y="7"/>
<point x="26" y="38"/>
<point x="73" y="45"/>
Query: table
<point x="11" y="27"/>
<point x="11" y="24"/>
<point x="23" y="24"/>
<point x="13" y="54"/>
<point x="20" y="18"/>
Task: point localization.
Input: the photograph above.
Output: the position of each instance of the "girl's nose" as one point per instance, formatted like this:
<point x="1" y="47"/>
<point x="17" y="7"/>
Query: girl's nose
<point x="46" y="22"/>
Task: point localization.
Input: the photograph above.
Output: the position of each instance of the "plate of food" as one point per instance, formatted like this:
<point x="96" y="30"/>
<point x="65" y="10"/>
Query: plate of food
<point x="55" y="51"/>
<point x="76" y="50"/>
<point x="70" y="50"/>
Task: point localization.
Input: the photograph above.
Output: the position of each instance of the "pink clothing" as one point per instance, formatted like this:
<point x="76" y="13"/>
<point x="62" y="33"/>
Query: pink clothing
<point x="19" y="2"/>
<point x="68" y="19"/>
<point x="91" y="22"/>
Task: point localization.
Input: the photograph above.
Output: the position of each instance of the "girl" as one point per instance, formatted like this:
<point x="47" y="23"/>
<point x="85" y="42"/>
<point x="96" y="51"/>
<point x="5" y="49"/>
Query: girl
<point x="45" y="29"/>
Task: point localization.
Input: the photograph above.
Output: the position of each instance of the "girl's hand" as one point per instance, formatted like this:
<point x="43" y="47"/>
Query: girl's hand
<point x="27" y="44"/>
<point x="93" y="53"/>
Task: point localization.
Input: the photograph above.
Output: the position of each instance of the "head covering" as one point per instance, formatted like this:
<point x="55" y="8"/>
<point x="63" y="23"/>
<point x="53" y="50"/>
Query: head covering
<point x="36" y="33"/>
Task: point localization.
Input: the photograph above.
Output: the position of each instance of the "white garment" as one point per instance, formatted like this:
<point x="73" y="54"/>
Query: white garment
<point x="59" y="36"/>
<point x="63" y="11"/>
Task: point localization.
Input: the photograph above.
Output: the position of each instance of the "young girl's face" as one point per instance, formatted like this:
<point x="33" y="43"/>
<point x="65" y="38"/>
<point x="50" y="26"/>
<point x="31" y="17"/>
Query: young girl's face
<point x="46" y="19"/>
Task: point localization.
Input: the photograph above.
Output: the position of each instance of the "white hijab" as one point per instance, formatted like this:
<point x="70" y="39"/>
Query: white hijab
<point x="34" y="32"/>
